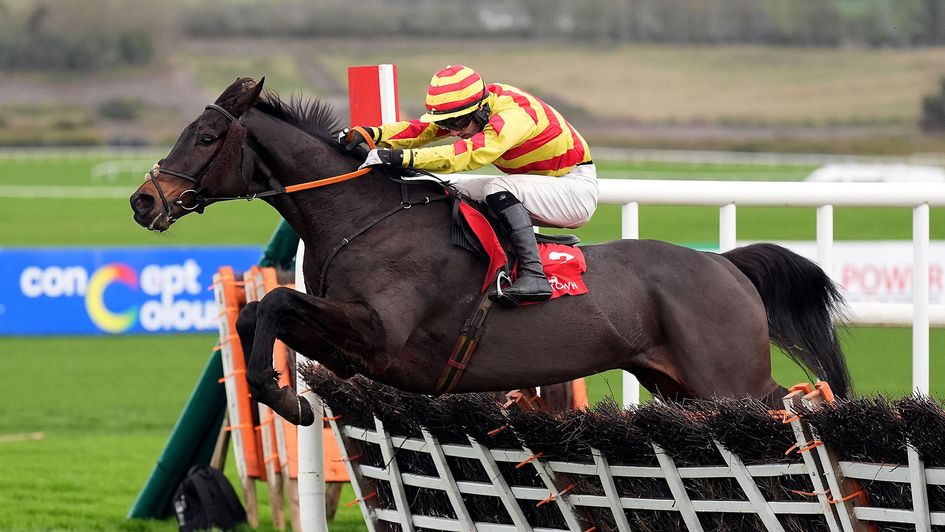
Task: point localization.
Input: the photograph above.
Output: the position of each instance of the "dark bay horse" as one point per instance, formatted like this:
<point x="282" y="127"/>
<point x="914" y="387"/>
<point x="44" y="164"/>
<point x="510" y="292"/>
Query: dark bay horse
<point x="393" y="299"/>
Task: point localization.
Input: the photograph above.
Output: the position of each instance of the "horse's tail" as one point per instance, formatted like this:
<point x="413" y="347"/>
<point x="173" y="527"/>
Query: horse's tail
<point x="801" y="301"/>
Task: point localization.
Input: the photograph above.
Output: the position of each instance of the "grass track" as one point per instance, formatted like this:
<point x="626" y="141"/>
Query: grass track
<point x="106" y="405"/>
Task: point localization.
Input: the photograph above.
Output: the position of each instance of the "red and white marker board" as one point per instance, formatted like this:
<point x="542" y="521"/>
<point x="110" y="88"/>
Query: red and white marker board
<point x="372" y="94"/>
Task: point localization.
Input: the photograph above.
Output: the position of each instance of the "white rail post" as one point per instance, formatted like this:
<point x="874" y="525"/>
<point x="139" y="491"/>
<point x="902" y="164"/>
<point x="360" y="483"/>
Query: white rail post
<point x="920" y="298"/>
<point x="630" y="229"/>
<point x="918" y="484"/>
<point x="726" y="227"/>
<point x="312" y="513"/>
<point x="825" y="238"/>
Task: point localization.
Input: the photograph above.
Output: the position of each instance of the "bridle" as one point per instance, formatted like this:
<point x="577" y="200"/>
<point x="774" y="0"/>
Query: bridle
<point x="199" y="201"/>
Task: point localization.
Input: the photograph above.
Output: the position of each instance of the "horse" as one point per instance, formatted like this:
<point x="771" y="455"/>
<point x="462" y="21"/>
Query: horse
<point x="387" y="292"/>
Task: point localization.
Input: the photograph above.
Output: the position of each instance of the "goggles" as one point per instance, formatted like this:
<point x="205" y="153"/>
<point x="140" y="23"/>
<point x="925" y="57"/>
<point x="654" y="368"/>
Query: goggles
<point x="455" y="123"/>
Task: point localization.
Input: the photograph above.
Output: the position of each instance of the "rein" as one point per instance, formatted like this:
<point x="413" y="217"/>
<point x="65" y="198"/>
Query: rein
<point x="199" y="201"/>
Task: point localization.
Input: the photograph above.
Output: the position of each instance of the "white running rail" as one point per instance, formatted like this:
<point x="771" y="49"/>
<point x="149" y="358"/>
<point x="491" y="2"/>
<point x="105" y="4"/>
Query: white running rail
<point x="727" y="195"/>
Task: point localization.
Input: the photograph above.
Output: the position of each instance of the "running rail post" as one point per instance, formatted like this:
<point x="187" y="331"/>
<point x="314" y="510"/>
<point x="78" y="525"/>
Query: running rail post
<point x="630" y="229"/>
<point x="825" y="238"/>
<point x="920" y="299"/>
<point x="313" y="516"/>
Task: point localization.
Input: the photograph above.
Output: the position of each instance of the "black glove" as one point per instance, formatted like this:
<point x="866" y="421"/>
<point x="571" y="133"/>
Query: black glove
<point x="350" y="139"/>
<point x="384" y="156"/>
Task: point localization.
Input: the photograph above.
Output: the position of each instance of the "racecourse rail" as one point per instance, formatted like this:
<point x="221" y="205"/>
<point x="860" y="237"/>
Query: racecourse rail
<point x="727" y="195"/>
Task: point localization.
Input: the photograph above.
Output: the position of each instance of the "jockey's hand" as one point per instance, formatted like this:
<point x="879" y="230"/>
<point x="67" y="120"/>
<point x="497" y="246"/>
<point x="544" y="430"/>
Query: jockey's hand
<point x="383" y="156"/>
<point x="350" y="139"/>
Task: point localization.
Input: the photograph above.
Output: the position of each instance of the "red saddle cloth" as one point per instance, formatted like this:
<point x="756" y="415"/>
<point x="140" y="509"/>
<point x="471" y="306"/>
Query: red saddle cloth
<point x="563" y="267"/>
<point x="563" y="264"/>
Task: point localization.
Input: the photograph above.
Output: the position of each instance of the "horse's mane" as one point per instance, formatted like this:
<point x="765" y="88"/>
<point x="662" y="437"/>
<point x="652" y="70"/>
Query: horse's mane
<point x="312" y="116"/>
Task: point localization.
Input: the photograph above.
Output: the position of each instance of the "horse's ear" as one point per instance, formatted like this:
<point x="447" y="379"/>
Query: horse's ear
<point x="248" y="95"/>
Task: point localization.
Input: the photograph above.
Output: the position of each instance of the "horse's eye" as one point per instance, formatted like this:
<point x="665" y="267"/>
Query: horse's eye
<point x="206" y="140"/>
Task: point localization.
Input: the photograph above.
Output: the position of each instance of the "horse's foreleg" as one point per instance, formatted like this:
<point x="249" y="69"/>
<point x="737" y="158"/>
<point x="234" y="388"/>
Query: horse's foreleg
<point x="311" y="325"/>
<point x="260" y="374"/>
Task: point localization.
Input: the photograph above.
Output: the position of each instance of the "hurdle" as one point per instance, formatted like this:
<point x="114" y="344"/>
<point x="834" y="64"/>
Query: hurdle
<point x="465" y="464"/>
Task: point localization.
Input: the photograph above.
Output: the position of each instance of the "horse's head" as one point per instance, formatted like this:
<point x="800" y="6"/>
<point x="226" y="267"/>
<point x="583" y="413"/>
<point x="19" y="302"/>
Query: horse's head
<point x="206" y="164"/>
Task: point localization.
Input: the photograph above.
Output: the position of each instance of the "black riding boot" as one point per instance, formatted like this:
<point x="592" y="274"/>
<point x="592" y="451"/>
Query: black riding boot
<point x="531" y="284"/>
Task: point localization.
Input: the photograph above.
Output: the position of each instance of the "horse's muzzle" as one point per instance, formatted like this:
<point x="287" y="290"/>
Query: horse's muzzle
<point x="142" y="203"/>
<point x="147" y="214"/>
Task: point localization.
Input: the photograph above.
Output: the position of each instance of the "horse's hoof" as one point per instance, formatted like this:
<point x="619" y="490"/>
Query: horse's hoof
<point x="306" y="414"/>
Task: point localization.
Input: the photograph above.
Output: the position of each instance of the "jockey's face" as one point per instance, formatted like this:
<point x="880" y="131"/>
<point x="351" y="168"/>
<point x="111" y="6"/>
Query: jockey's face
<point x="471" y="129"/>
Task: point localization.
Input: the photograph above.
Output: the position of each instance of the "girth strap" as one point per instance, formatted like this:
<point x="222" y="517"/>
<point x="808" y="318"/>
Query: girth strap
<point x="464" y="347"/>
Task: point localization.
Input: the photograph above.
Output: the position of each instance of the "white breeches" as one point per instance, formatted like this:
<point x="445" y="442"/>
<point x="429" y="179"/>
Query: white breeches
<point x="567" y="201"/>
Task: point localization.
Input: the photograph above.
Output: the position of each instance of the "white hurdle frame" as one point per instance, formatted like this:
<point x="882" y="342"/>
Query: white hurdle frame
<point x="833" y="481"/>
<point x="363" y="478"/>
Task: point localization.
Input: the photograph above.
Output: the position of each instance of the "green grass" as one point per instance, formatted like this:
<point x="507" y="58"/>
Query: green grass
<point x="61" y="222"/>
<point x="72" y="171"/>
<point x="106" y="405"/>
<point x="27" y="222"/>
<point x="708" y="172"/>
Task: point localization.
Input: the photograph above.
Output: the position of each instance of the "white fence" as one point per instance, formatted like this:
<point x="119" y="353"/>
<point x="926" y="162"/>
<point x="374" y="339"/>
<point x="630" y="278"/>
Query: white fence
<point x="727" y="195"/>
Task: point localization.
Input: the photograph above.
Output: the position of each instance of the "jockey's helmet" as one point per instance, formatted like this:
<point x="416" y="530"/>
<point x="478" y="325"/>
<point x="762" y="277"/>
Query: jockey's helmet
<point x="455" y="91"/>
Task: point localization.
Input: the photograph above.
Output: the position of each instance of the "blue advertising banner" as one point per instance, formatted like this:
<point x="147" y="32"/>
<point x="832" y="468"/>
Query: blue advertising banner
<point x="113" y="290"/>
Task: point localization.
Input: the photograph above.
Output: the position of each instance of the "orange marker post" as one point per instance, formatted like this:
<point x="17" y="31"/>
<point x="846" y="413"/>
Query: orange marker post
<point x="230" y="298"/>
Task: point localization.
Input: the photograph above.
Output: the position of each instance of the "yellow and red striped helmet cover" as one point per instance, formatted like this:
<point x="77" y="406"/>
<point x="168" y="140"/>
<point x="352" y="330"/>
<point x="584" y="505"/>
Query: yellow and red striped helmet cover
<point x="454" y="91"/>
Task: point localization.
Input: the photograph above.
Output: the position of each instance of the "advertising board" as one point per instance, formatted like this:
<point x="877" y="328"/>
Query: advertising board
<point x="113" y="290"/>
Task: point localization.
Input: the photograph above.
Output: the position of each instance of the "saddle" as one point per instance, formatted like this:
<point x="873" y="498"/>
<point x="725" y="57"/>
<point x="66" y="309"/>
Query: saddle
<point x="475" y="229"/>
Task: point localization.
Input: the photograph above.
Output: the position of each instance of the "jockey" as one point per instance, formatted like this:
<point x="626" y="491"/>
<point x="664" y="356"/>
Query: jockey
<point x="551" y="180"/>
